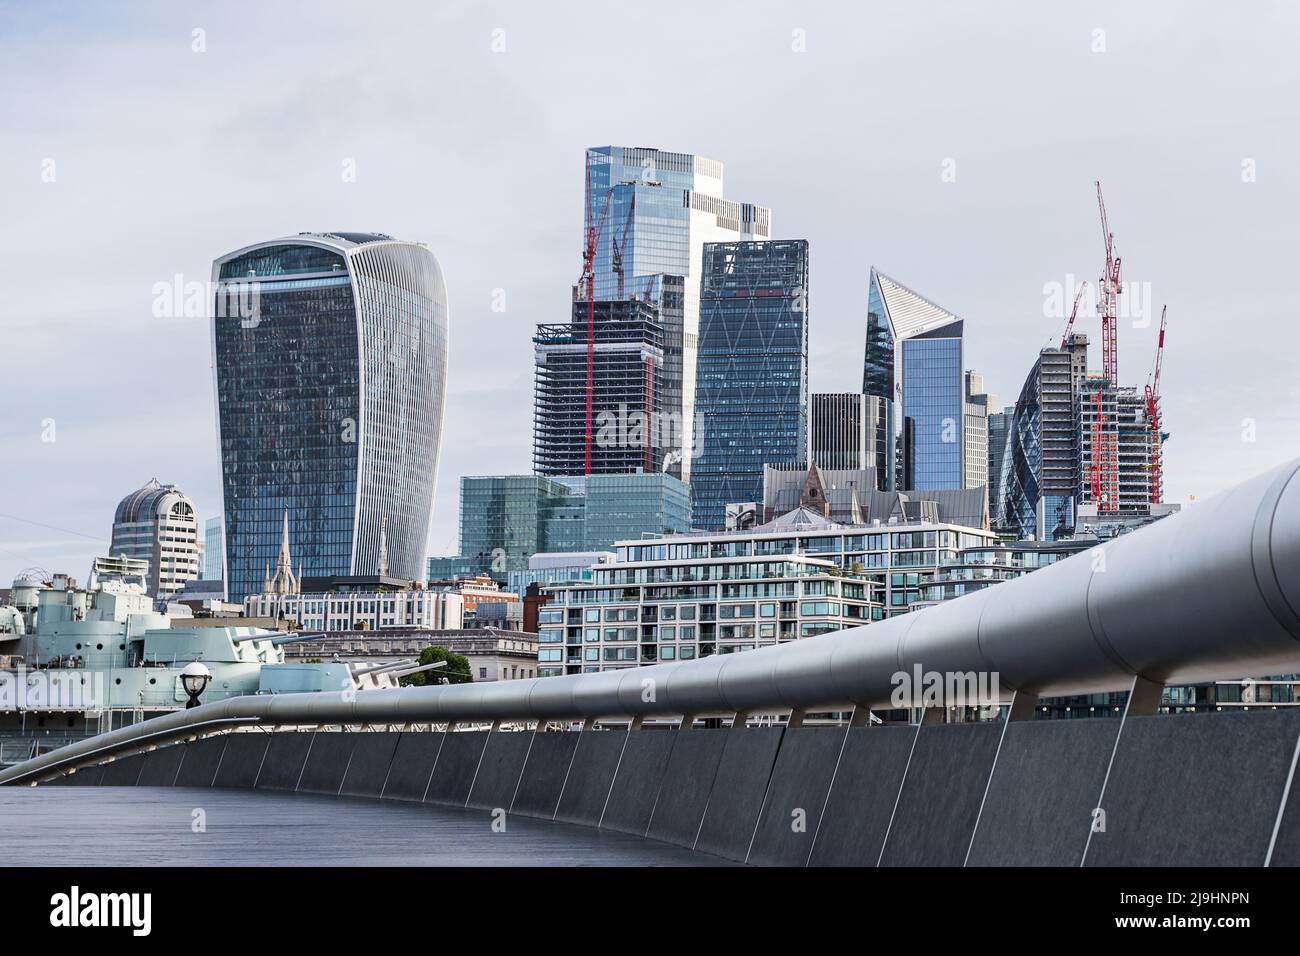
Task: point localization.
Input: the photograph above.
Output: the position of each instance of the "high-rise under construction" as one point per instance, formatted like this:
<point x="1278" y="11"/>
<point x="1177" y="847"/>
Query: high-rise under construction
<point x="626" y="368"/>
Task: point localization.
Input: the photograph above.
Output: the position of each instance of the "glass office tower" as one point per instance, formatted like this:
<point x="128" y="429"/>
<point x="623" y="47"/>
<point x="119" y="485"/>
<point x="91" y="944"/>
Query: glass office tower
<point x="212" y="550"/>
<point x="331" y="366"/>
<point x="751" y="402"/>
<point x="659" y="209"/>
<point x="937" y="448"/>
<point x="506" y="519"/>
<point x="933" y="392"/>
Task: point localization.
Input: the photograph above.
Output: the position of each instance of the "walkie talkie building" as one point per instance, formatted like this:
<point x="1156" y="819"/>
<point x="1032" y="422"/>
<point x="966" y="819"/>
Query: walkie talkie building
<point x="330" y="356"/>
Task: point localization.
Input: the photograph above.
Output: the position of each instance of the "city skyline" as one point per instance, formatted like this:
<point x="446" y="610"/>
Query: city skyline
<point x="1019" y="216"/>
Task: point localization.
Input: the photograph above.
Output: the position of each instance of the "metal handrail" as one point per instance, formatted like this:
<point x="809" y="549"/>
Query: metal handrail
<point x="1209" y="593"/>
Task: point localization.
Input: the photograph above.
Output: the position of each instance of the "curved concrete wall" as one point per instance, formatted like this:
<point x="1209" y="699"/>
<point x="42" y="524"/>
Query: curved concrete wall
<point x="1198" y="789"/>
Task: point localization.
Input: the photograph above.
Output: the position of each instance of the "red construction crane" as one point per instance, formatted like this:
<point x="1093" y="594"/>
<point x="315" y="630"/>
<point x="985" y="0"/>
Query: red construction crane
<point x="616" y="246"/>
<point x="1153" y="412"/>
<point x="1069" y="326"/>
<point x="1105" y="477"/>
<point x="587" y="290"/>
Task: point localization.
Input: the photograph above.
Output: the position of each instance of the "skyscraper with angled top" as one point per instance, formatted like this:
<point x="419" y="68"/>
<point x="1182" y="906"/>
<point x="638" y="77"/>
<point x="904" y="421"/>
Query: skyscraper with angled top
<point x="915" y="357"/>
<point x="331" y="367"/>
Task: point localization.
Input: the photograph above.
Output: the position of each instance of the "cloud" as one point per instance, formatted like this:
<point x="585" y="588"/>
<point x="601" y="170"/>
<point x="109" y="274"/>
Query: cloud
<point x="167" y="158"/>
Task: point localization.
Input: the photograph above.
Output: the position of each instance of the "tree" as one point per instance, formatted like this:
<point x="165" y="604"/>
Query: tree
<point x="456" y="670"/>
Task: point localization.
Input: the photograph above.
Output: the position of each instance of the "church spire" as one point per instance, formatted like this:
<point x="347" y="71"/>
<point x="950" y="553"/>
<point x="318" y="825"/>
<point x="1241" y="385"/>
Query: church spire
<point x="383" y="547"/>
<point x="283" y="581"/>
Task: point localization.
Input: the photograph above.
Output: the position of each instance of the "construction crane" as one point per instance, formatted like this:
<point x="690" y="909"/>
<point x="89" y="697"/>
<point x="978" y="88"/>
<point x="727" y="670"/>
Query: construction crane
<point x="616" y="246"/>
<point x="1105" y="459"/>
<point x="1069" y="326"/>
<point x="1153" y="411"/>
<point x="587" y="290"/>
<point x="1110" y="290"/>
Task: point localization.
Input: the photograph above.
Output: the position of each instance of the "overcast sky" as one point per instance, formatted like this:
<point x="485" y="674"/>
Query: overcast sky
<point x="129" y="158"/>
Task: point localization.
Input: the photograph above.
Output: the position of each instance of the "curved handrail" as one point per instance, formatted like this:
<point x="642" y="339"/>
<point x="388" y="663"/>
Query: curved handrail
<point x="1208" y="593"/>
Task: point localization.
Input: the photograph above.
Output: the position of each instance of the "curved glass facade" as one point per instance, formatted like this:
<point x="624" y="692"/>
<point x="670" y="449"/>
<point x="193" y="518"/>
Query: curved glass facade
<point x="329" y="403"/>
<point x="1017" y="478"/>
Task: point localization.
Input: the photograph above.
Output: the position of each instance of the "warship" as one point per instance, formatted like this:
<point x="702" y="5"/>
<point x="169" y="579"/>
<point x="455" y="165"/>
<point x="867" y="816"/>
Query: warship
<point x="75" y="662"/>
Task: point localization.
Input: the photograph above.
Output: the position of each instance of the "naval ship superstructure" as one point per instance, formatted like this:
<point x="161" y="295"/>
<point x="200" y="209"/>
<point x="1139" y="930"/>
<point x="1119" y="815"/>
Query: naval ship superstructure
<point x="76" y="662"/>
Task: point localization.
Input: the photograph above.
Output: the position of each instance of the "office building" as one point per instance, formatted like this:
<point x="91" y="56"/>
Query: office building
<point x="975" y="432"/>
<point x="934" y="404"/>
<point x="506" y="519"/>
<point x="850" y="430"/>
<point x="1039" y="473"/>
<point x="331" y="363"/>
<point x="894" y="313"/>
<point x="627" y="428"/>
<point x="157" y="524"/>
<point x="751" y="401"/>
<point x="213" y="550"/>
<point x="659" y="208"/>
<point x="914" y="357"/>
<point x="999" y="424"/>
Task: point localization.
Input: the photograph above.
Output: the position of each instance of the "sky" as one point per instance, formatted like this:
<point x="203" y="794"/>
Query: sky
<point x="952" y="145"/>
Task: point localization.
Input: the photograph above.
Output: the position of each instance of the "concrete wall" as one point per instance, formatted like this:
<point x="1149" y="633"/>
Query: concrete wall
<point x="1198" y="789"/>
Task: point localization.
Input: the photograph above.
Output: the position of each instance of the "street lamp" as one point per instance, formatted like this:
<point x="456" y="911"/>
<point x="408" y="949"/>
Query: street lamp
<point x="194" y="678"/>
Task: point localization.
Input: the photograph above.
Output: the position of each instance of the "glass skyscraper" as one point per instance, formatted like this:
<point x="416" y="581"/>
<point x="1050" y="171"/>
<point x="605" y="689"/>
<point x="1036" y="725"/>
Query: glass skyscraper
<point x="914" y="355"/>
<point x="331" y="368"/>
<point x="212" y="550"/>
<point x="932" y="398"/>
<point x="662" y="208"/>
<point x="751" y="401"/>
